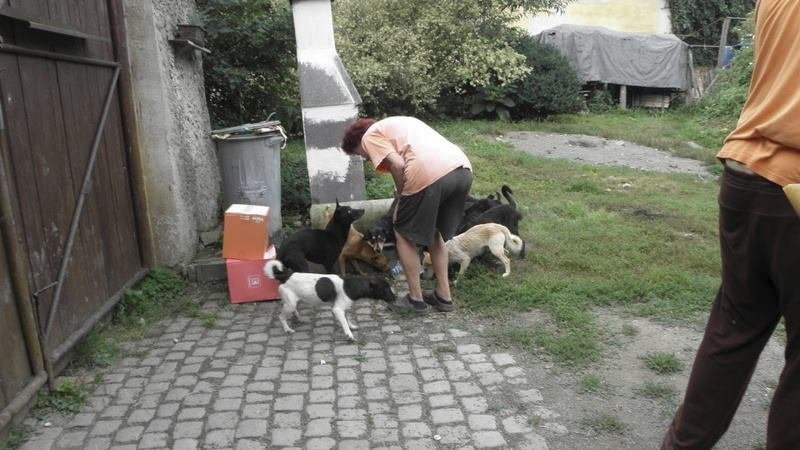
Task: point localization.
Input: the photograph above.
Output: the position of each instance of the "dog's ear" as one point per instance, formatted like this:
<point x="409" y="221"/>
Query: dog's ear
<point x="337" y="202"/>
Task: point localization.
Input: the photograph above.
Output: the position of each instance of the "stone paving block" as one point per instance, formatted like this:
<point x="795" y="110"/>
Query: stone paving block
<point x="153" y="440"/>
<point x="197" y="399"/>
<point x="293" y="388"/>
<point x="374" y="365"/>
<point x="254" y="428"/>
<point x="475" y="405"/>
<point x="287" y="420"/>
<point x="289" y="403"/>
<point x="323" y="396"/>
<point x="436" y="387"/>
<point x="256" y="411"/>
<point x="223" y="420"/>
<point x="401" y="367"/>
<point x="219" y="438"/>
<point x="316" y="411"/>
<point x="503" y="359"/>
<point x="114" y="412"/>
<point x="530" y="395"/>
<point x="231" y="392"/>
<point x="176" y="394"/>
<point x="250" y="444"/>
<point x="285" y="436"/>
<point x="377" y="393"/>
<point x="383" y="435"/>
<point x="351" y="428"/>
<point x="416" y="430"/>
<point x="318" y="427"/>
<point x="141" y="416"/>
<point x="488" y="439"/>
<point x="82" y="420"/>
<point x="350" y="401"/>
<point x="98" y="443"/>
<point x="409" y="412"/>
<point x="438" y="401"/>
<point x="186" y="444"/>
<point x="105" y="427"/>
<point x="450" y="434"/>
<point x="402" y="383"/>
<point x="72" y="439"/>
<point x="468" y="348"/>
<point x="482" y="422"/>
<point x="191" y="430"/>
<point x="447" y="415"/>
<point x="158" y="425"/>
<point x="261" y="386"/>
<point x="191" y="413"/>
<point x="227" y="404"/>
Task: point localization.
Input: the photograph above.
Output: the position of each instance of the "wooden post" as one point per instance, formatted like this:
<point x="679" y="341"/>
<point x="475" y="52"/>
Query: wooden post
<point x="623" y="97"/>
<point x="723" y="42"/>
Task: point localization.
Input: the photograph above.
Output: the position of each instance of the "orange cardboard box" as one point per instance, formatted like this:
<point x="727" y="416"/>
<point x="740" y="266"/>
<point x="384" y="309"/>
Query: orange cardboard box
<point x="246" y="280"/>
<point x="246" y="232"/>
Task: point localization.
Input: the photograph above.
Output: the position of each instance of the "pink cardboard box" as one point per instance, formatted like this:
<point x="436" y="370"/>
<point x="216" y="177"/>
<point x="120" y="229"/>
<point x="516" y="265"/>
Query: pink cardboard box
<point x="247" y="282"/>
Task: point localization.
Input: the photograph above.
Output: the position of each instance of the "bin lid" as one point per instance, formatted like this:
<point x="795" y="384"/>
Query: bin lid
<point x="251" y="131"/>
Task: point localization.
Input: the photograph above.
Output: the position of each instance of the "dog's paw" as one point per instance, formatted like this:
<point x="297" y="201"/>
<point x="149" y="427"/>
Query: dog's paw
<point x="353" y="326"/>
<point x="289" y="330"/>
<point x="351" y="337"/>
<point x="506" y="274"/>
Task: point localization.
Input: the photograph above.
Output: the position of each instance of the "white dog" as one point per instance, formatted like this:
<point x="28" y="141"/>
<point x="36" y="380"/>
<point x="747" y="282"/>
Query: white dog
<point x="318" y="289"/>
<point x="473" y="242"/>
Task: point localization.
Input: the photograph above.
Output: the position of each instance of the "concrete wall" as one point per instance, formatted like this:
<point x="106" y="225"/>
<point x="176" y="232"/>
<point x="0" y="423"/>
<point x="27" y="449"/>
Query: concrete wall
<point x="182" y="180"/>
<point x="645" y="16"/>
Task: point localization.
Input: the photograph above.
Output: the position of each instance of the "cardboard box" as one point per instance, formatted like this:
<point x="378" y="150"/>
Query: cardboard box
<point x="246" y="232"/>
<point x="247" y="282"/>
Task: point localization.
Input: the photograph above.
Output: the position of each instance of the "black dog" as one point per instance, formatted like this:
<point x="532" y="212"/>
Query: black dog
<point x="319" y="246"/>
<point x="503" y="214"/>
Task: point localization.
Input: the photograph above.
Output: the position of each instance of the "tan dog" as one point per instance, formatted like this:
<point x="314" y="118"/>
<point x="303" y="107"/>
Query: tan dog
<point x="473" y="242"/>
<point x="356" y="248"/>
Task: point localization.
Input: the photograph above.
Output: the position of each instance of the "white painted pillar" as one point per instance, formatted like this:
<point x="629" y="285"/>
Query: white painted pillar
<point x="329" y="102"/>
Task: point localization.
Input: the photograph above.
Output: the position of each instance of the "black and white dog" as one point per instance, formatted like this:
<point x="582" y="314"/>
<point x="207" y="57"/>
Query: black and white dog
<point x="318" y="289"/>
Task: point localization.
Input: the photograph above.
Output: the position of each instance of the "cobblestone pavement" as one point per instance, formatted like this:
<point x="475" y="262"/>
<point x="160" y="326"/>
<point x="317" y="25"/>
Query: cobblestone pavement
<point x="411" y="383"/>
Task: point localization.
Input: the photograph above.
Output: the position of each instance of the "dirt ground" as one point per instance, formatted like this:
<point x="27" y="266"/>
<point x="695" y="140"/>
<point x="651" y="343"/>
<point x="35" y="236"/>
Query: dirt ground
<point x="602" y="152"/>
<point x="622" y="370"/>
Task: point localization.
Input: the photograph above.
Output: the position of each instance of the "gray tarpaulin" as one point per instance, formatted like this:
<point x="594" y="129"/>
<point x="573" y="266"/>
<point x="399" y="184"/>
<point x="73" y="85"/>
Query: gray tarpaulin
<point x="633" y="59"/>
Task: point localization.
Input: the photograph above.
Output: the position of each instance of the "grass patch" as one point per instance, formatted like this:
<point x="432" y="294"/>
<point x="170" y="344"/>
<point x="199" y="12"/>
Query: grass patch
<point x="17" y="436"/>
<point x="597" y="236"/>
<point x="629" y="330"/>
<point x="158" y="296"/>
<point x="68" y="398"/>
<point x="657" y="391"/>
<point x="606" y="423"/>
<point x="207" y="319"/>
<point x="592" y="384"/>
<point x="662" y="363"/>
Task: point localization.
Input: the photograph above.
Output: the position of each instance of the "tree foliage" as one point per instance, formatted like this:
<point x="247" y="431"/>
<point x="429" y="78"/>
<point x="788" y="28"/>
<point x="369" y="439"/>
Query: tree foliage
<point x="700" y="22"/>
<point x="403" y="54"/>
<point x="252" y="69"/>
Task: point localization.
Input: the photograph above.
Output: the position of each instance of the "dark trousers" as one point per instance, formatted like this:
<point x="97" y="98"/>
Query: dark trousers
<point x="760" y="243"/>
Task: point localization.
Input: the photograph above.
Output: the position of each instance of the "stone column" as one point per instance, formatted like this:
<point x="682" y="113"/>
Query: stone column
<point x="329" y="102"/>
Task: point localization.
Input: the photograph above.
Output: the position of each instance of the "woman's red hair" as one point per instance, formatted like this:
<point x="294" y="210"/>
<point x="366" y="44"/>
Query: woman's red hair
<point x="353" y="134"/>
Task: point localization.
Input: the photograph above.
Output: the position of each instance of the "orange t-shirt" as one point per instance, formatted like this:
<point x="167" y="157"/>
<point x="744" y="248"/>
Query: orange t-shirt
<point x="767" y="137"/>
<point x="427" y="154"/>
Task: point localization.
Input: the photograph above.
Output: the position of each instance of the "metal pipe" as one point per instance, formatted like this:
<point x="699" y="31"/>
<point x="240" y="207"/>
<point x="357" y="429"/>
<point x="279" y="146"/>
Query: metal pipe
<point x="18" y="259"/>
<point x="90" y="322"/>
<point x="130" y="130"/>
<point x="8" y="48"/>
<point x="76" y="215"/>
<point x="22" y="399"/>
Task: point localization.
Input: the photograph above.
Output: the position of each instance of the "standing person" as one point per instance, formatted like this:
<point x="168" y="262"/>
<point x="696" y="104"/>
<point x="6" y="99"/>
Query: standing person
<point x="433" y="177"/>
<point x="760" y="245"/>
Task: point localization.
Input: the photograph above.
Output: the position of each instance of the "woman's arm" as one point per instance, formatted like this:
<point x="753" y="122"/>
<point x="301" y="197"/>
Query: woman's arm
<point x="396" y="165"/>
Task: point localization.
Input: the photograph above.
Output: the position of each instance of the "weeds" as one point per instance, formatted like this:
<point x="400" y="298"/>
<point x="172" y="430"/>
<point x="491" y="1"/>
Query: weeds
<point x="69" y="397"/>
<point x="662" y="363"/>
<point x="657" y="391"/>
<point x="606" y="423"/>
<point x="592" y="384"/>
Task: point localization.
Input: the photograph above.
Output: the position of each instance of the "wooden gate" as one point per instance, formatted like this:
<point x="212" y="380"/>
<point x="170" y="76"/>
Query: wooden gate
<point x="57" y="68"/>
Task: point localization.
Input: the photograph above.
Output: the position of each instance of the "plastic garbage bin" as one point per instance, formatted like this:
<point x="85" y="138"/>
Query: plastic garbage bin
<point x="250" y="159"/>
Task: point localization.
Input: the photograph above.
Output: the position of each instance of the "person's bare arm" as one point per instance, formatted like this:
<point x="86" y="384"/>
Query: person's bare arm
<point x="396" y="165"/>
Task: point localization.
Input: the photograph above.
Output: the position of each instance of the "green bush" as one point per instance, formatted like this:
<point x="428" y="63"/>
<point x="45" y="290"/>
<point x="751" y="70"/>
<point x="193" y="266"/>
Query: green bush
<point x="404" y="54"/>
<point x="698" y="22"/>
<point x="252" y="70"/>
<point x="552" y="87"/>
<point x="730" y="94"/>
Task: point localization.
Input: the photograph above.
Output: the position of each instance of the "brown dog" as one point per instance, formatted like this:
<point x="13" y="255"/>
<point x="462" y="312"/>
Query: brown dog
<point x="356" y="248"/>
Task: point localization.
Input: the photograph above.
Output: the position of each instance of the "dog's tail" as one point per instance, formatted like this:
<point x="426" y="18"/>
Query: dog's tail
<point x="507" y="192"/>
<point x="514" y="244"/>
<point x="275" y="270"/>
